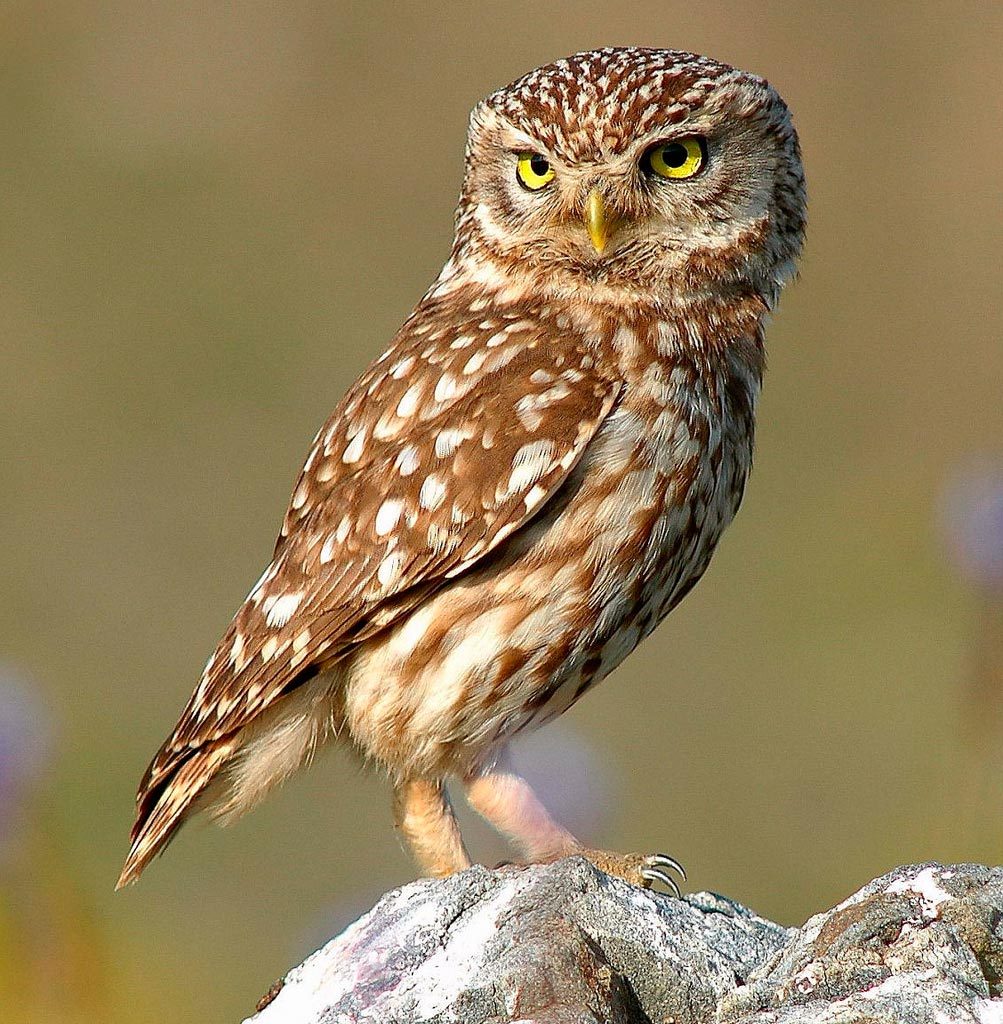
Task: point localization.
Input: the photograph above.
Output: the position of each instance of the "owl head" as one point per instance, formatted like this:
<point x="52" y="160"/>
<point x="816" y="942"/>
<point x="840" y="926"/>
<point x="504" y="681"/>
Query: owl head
<point x="637" y="172"/>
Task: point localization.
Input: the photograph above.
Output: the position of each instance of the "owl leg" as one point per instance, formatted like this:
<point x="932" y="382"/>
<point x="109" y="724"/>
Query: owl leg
<point x="424" y="817"/>
<point x="507" y="801"/>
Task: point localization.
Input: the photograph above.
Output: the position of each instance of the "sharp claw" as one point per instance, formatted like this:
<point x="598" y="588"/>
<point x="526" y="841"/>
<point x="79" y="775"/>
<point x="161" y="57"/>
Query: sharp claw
<point x="665" y="861"/>
<point x="652" y="874"/>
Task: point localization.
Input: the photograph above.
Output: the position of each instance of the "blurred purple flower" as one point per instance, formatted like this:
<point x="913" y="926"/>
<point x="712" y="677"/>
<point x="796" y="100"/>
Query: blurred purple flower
<point x="972" y="517"/>
<point x="25" y="734"/>
<point x="569" y="776"/>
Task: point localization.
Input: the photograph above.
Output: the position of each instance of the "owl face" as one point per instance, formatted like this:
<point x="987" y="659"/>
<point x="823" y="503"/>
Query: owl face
<point x="640" y="170"/>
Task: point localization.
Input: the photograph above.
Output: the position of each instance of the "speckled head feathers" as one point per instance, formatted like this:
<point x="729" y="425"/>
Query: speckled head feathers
<point x="596" y="104"/>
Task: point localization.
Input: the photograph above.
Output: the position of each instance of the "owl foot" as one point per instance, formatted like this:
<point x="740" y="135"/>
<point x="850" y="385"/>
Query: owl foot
<point x="638" y="869"/>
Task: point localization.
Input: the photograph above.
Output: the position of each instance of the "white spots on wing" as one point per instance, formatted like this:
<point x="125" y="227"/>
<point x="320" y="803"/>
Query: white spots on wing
<point x="555" y="394"/>
<point x="497" y="339"/>
<point x="534" y="496"/>
<point x="269" y="647"/>
<point x="355" y="448"/>
<point x="390" y="568"/>
<point x="541" y="376"/>
<point x="432" y="493"/>
<point x="403" y="368"/>
<point x="445" y="388"/>
<point x="569" y="457"/>
<point x="325" y="472"/>
<point x="388" y="516"/>
<point x="336" y="538"/>
<point x="268" y="575"/>
<point x="531" y="461"/>
<point x="474" y="363"/>
<point x="409" y="402"/>
<point x="440" y="539"/>
<point x="407" y="461"/>
<point x="327" y="551"/>
<point x="301" y="495"/>
<point x="281" y="608"/>
<point x="301" y="640"/>
<point x="527" y="411"/>
<point x="463" y="341"/>
<point x="237" y="652"/>
<point x="447" y="441"/>
<point x="388" y="425"/>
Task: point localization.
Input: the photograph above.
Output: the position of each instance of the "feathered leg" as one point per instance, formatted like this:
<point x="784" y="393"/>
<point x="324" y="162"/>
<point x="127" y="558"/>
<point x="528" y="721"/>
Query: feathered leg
<point x="424" y="817"/>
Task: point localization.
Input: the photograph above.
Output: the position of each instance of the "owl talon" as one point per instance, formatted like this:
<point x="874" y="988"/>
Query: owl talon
<point x="652" y="874"/>
<point x="663" y="860"/>
<point x="639" y="869"/>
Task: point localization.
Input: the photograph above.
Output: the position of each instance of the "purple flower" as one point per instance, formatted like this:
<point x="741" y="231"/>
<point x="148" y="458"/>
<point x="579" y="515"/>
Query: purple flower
<point x="573" y="782"/>
<point x="972" y="516"/>
<point x="25" y="734"/>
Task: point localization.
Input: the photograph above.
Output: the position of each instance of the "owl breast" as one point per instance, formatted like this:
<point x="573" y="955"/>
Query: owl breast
<point x="520" y="638"/>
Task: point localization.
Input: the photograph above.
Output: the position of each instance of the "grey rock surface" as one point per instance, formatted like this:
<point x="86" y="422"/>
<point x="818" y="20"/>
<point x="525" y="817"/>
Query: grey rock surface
<point x="565" y="944"/>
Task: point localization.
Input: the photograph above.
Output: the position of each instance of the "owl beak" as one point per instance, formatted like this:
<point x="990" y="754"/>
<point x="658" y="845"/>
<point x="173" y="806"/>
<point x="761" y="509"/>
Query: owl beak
<point x="600" y="221"/>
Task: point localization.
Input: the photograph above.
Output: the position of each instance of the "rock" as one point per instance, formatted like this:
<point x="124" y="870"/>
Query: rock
<point x="565" y="944"/>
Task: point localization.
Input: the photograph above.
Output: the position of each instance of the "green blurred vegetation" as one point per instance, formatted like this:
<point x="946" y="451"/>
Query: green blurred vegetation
<point x="214" y="215"/>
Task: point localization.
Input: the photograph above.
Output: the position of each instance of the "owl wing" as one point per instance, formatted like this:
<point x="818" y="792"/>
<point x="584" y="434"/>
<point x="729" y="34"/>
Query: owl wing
<point x="438" y="453"/>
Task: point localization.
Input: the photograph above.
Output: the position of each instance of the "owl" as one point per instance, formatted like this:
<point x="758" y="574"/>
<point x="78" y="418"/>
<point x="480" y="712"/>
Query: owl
<point x="535" y="471"/>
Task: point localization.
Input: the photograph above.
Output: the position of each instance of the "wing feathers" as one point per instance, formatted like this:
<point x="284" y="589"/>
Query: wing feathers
<point x="434" y="457"/>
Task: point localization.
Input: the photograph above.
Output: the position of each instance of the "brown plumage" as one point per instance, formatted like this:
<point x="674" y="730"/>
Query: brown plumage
<point x="536" y="470"/>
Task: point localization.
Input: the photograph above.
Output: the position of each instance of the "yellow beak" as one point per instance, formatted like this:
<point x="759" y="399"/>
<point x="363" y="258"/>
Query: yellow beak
<point x="599" y="221"/>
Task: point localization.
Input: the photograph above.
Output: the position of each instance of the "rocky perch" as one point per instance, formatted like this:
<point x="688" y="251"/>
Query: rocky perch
<point x="564" y="943"/>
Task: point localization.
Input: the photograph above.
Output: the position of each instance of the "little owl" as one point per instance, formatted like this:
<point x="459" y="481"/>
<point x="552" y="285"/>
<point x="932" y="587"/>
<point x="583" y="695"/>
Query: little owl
<point x="532" y="475"/>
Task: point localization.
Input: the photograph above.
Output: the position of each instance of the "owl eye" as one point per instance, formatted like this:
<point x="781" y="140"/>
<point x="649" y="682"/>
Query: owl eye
<point x="534" y="171"/>
<point x="679" y="159"/>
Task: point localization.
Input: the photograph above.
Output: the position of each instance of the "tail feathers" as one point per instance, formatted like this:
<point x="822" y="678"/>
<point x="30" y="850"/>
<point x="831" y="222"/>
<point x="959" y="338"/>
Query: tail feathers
<point x="162" y="812"/>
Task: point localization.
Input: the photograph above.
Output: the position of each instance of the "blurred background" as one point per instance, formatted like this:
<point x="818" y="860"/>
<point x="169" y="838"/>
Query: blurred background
<point x="214" y="215"/>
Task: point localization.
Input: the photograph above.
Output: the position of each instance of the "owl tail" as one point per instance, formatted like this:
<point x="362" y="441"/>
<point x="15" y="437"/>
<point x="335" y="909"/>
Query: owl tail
<point x="162" y="811"/>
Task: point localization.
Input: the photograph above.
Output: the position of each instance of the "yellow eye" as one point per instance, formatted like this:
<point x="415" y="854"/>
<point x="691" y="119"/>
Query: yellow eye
<point x="679" y="159"/>
<point x="534" y="171"/>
